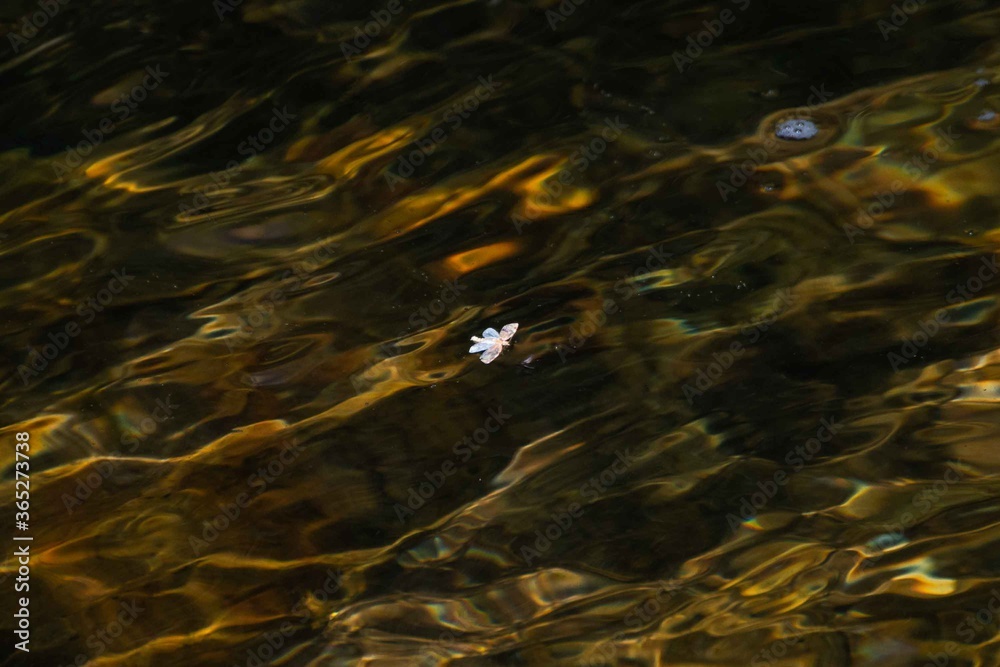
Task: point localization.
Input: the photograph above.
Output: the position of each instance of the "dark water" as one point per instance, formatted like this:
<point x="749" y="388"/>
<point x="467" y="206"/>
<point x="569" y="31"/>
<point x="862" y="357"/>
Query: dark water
<point x="749" y="415"/>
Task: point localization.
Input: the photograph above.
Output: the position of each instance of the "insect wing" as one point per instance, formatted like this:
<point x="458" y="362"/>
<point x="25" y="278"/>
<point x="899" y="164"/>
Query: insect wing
<point x="480" y="346"/>
<point x="508" y="331"/>
<point x="491" y="354"/>
<point x="490" y="333"/>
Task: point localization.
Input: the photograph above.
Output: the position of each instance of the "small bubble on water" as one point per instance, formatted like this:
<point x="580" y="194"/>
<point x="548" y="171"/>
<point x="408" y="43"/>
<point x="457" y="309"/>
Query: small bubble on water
<point x="796" y="129"/>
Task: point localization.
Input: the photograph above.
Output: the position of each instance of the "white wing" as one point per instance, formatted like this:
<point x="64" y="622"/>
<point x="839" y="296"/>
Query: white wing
<point x="491" y="354"/>
<point x="480" y="346"/>
<point x="490" y="333"/>
<point x="508" y="331"/>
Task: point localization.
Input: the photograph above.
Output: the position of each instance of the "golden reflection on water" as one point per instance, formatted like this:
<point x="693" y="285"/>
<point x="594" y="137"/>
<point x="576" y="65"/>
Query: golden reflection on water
<point x="749" y="416"/>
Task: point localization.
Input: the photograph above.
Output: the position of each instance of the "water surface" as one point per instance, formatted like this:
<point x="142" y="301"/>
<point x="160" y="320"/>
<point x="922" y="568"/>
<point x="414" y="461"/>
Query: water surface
<point x="749" y="414"/>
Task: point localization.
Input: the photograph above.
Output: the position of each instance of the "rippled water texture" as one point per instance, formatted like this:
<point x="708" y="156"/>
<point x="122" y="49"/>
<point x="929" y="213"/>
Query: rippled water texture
<point x="749" y="415"/>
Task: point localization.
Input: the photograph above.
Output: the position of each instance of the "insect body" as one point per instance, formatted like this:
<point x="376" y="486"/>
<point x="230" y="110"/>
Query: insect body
<point x="493" y="343"/>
